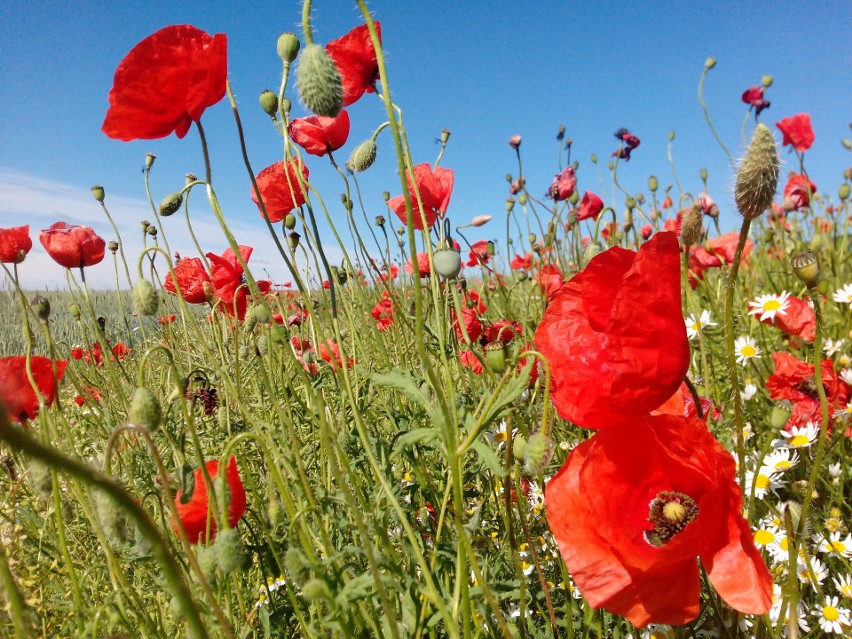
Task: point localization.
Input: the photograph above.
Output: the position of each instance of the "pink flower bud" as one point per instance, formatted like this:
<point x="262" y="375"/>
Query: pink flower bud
<point x="480" y="220"/>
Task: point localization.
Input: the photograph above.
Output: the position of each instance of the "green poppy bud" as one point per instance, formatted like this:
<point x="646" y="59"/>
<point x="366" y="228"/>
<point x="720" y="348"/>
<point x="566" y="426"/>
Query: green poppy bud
<point x="519" y="447"/>
<point x="229" y="551"/>
<point x="269" y="102"/>
<point x="74" y="311"/>
<point x="145" y="298"/>
<point x="709" y="63"/>
<point x="145" y="409"/>
<point x="319" y="82"/>
<point x="363" y="156"/>
<point x="171" y="204"/>
<point x="289" y="221"/>
<point x="653" y="184"/>
<point x="112" y="246"/>
<point x="538" y="453"/>
<point x="703" y="175"/>
<point x="843" y="191"/>
<point x="767" y="81"/>
<point x="757" y="176"/>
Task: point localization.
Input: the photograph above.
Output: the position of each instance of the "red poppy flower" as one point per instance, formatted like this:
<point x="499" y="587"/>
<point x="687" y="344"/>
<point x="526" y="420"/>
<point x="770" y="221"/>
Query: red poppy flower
<point x="798" y="319"/>
<point x="320" y="135"/>
<point x="632" y="508"/>
<point x="72" y="246"/>
<point x="794" y="380"/>
<point x="472" y="326"/>
<point x="165" y="320"/>
<point x="166" y="82"/>
<point x="725" y="246"/>
<point x="798" y="192"/>
<point x="383" y="312"/>
<point x="194" y="513"/>
<point x="549" y="280"/>
<point x="280" y="189"/>
<point x="479" y="253"/>
<point x="563" y="184"/>
<point x="629" y="141"/>
<point x="90" y="395"/>
<point x="435" y="189"/>
<point x="667" y="203"/>
<point x="503" y="331"/>
<point x="521" y="262"/>
<point x="16" y="392"/>
<point x="647" y="230"/>
<point x="355" y="58"/>
<point x="471" y="361"/>
<point x="797" y="131"/>
<point x="15" y="243"/>
<point x="615" y="336"/>
<point x="228" y="282"/>
<point x="590" y="207"/>
<point x="194" y="282"/>
<point x="121" y="350"/>
<point x="674" y="224"/>
<point x="682" y="404"/>
<point x="330" y="352"/>
<point x="422" y="265"/>
<point x="753" y="97"/>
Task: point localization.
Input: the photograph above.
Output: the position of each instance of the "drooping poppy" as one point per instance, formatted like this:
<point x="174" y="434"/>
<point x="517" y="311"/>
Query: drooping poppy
<point x="166" y="82"/>
<point x="633" y="507"/>
<point x="228" y="282"/>
<point x="708" y="205"/>
<point x="798" y="192"/>
<point x="193" y="514"/>
<point x="615" y="336"/>
<point x="16" y="392"/>
<point x="15" y="243"/>
<point x="320" y="135"/>
<point x="629" y="142"/>
<point x="563" y="184"/>
<point x="194" y="282"/>
<point x="355" y="58"/>
<point x="797" y="131"/>
<point x="753" y="97"/>
<point x="280" y="188"/>
<point x="72" y="246"/>
<point x="590" y="207"/>
<point x="435" y="188"/>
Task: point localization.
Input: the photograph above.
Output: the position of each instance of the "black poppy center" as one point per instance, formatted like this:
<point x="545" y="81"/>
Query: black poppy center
<point x="669" y="512"/>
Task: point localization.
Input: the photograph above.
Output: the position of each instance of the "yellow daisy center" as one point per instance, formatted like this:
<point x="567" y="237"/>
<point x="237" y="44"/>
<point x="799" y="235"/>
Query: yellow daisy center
<point x="500" y="436"/>
<point x="836" y="546"/>
<point x="771" y="305"/>
<point x="783" y="465"/>
<point x="830" y="612"/>
<point x="762" y="481"/>
<point x="798" y="440"/>
<point x="846" y="589"/>
<point x="763" y="537"/>
<point x="748" y="351"/>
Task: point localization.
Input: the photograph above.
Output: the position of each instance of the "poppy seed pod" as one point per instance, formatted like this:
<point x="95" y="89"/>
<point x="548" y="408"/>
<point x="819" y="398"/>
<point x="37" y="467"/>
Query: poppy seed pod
<point x="363" y="156"/>
<point x="510" y="204"/>
<point x="319" y="82"/>
<point x="780" y="414"/>
<point x="703" y="175"/>
<point x="288" y="47"/>
<point x="269" y="102"/>
<point x="496" y="355"/>
<point x="757" y="176"/>
<point x="145" y="409"/>
<point x="145" y="298"/>
<point x="170" y="204"/>
<point x="294" y="239"/>
<point x="806" y="268"/>
<point x="289" y="221"/>
<point x="98" y="193"/>
<point x="447" y="263"/>
<point x="112" y="245"/>
<point x="41" y="307"/>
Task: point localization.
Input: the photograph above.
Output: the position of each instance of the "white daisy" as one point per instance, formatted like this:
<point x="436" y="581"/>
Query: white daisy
<point x="845" y="412"/>
<point x="767" y="306"/>
<point x="843" y="295"/>
<point x="745" y="348"/>
<point x="775" y="610"/>
<point x="766" y="536"/>
<point x="764" y="481"/>
<point x="801" y="436"/>
<point x="834" y="471"/>
<point x="748" y="392"/>
<point x="694" y="326"/>
<point x="844" y="585"/>
<point x="834" y="545"/>
<point x="812" y="571"/>
<point x="500" y="435"/>
<point x="846" y="375"/>
<point x="658" y="631"/>
<point x="831" y="347"/>
<point x="781" y="459"/>
<point x="831" y="618"/>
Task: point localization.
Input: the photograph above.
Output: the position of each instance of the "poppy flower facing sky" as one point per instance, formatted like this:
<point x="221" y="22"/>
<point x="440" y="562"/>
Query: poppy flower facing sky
<point x="633" y="507"/>
<point x="355" y="58"/>
<point x="435" y="187"/>
<point x="166" y="82"/>
<point x="615" y="336"/>
<point x="797" y="131"/>
<point x="280" y="189"/>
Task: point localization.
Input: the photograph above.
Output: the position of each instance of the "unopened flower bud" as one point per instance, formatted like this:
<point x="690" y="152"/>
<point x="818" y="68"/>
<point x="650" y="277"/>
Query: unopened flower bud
<point x="98" y="192"/>
<point x="152" y="230"/>
<point x="703" y="175"/>
<point x="269" y="102"/>
<point x="316" y="589"/>
<point x="74" y="311"/>
<point x="843" y="191"/>
<point x="522" y="199"/>
<point x="145" y="298"/>
<point x="229" y="551"/>
<point x="538" y="453"/>
<point x="288" y="47"/>
<point x="806" y="268"/>
<point x="145" y="409"/>
<point x="480" y="220"/>
<point x="574" y="199"/>
<point x="191" y="177"/>
<point x="112" y="246"/>
<point x="363" y="156"/>
<point x="780" y="414"/>
<point x="594" y="158"/>
<point x="385" y="195"/>
<point x="41" y="307"/>
<point x="171" y="204"/>
<point x="560" y="132"/>
<point x="671" y="136"/>
<point x="692" y="226"/>
<point x="653" y="184"/>
<point x="286" y="105"/>
<point x="767" y="81"/>
<point x="630" y="203"/>
<point x="519" y="447"/>
<point x="757" y="176"/>
<point x="709" y="63"/>
<point x="261" y="313"/>
<point x="515" y="141"/>
<point x="319" y="82"/>
<point x="289" y="221"/>
<point x="149" y="160"/>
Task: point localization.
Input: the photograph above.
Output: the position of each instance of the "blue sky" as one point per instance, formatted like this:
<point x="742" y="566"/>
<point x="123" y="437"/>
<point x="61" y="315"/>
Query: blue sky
<point x="485" y="71"/>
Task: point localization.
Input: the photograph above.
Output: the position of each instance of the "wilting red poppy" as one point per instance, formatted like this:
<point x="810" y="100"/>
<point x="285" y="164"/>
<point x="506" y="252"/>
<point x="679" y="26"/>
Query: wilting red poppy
<point x="629" y="141"/>
<point x="355" y="58"/>
<point x="228" y="282"/>
<point x="797" y="131"/>
<point x="422" y="265"/>
<point x="72" y="246"/>
<point x="16" y="392"/>
<point x="549" y="279"/>
<point x="563" y="184"/>
<point x="383" y="312"/>
<point x="794" y="380"/>
<point x="590" y="207"/>
<point x="708" y="205"/>
<point x="193" y="280"/>
<point x="320" y="135"/>
<point x="522" y="262"/>
<point x="798" y="192"/>
<point x="479" y="253"/>
<point x="166" y="82"/>
<point x="15" y="243"/>
<point x="435" y="189"/>
<point x="280" y="189"/>
<point x="632" y="508"/>
<point x="798" y="319"/>
<point x="615" y="337"/>
<point x="194" y="513"/>
<point x="753" y="97"/>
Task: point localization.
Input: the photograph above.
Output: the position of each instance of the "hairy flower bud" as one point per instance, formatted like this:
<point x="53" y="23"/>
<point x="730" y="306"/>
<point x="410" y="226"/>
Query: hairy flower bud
<point x="170" y="204"/>
<point x="757" y="176"/>
<point x="145" y="298"/>
<point x="363" y="156"/>
<point x="766" y="81"/>
<point x="41" y="307"/>
<point x="319" y="82"/>
<point x="653" y="184"/>
<point x="692" y="226"/>
<point x="229" y="551"/>
<point x="145" y="409"/>
<point x="538" y="453"/>
<point x="519" y="447"/>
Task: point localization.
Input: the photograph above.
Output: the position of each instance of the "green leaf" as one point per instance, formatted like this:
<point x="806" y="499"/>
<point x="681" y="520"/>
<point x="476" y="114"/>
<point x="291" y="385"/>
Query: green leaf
<point x="422" y="436"/>
<point x="488" y="457"/>
<point x="404" y="382"/>
<point x="509" y="394"/>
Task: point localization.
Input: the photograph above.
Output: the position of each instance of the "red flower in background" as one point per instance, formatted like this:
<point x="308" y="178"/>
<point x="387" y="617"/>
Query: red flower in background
<point x="615" y="336"/>
<point x="479" y="253"/>
<point x="280" y="189"/>
<point x="72" y="246"/>
<point x="320" y="135"/>
<point x="629" y="142"/>
<point x="121" y="350"/>
<point x="549" y="279"/>
<point x="798" y="192"/>
<point x="647" y="231"/>
<point x="193" y="514"/>
<point x="422" y="265"/>
<point x="15" y="243"/>
<point x="469" y="360"/>
<point x="797" y="131"/>
<point x="682" y="404"/>
<point x="798" y="319"/>
<point x="522" y="262"/>
<point x="166" y="82"/>
<point x="390" y="273"/>
<point x="708" y="205"/>
<point x="794" y="381"/>
<point x="165" y="320"/>
<point x="355" y="58"/>
<point x="383" y="312"/>
<point x="725" y="246"/>
<point x="194" y="282"/>
<point x="330" y="352"/>
<point x="435" y="189"/>
<point x="563" y="184"/>
<point x="228" y="281"/>
<point x="753" y="97"/>
<point x="16" y="392"/>
<point x="90" y="395"/>
<point x="503" y="331"/>
<point x="632" y="508"/>
<point x="590" y="207"/>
